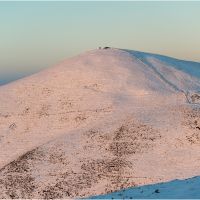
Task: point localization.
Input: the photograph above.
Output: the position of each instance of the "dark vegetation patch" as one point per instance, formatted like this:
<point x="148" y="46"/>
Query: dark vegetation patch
<point x="5" y="115"/>
<point x="80" y="118"/>
<point x="195" y="98"/>
<point x="44" y="111"/>
<point x="105" y="167"/>
<point x="191" y="120"/>
<point x="67" y="179"/>
<point x="73" y="184"/>
<point x="16" y="180"/>
<point x="94" y="87"/>
<point x="130" y="138"/>
<point x="69" y="184"/>
<point x="12" y="126"/>
<point x="133" y="138"/>
<point x="55" y="192"/>
<point x="46" y="91"/>
<point x="26" y="111"/>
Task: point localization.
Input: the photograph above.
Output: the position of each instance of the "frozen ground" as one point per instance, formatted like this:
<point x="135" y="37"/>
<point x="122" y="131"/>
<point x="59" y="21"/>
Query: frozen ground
<point x="99" y="122"/>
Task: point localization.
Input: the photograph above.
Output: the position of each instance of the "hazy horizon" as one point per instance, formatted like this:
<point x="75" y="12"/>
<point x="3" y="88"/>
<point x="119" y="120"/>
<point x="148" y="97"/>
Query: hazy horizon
<point x="37" y="35"/>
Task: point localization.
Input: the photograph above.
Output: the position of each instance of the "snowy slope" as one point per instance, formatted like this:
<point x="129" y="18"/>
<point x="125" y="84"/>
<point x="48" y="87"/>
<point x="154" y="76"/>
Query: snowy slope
<point x="99" y="122"/>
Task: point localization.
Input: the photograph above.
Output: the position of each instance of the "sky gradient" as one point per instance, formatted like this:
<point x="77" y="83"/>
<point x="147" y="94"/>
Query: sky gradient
<point x="37" y="35"/>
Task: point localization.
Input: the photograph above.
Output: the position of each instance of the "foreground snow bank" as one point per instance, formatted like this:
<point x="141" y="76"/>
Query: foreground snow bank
<point x="187" y="189"/>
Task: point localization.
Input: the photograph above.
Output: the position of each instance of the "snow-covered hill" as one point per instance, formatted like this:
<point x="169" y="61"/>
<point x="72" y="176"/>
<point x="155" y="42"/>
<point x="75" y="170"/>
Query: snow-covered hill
<point x="102" y="121"/>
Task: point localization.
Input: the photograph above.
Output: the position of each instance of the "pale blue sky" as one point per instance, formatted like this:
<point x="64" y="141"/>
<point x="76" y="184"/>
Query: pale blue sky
<point x="36" y="35"/>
